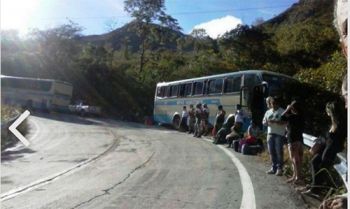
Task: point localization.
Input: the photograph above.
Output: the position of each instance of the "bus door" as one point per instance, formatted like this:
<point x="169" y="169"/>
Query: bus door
<point x="247" y="97"/>
<point x="249" y="81"/>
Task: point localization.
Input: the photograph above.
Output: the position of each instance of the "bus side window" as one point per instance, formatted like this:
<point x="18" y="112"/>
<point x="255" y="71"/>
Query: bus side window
<point x="167" y="91"/>
<point x="215" y="86"/>
<point x="188" y="89"/>
<point x="182" y="90"/>
<point x="174" y="90"/>
<point x="232" y="84"/>
<point x="198" y="88"/>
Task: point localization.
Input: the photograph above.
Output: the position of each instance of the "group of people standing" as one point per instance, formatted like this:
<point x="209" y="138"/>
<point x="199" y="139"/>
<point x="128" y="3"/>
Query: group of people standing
<point x="289" y="124"/>
<point x="195" y="120"/>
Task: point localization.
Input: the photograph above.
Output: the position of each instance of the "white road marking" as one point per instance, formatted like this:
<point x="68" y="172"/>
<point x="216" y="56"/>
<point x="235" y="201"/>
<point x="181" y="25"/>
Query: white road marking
<point x="13" y="128"/>
<point x="44" y="181"/>
<point x="248" y="196"/>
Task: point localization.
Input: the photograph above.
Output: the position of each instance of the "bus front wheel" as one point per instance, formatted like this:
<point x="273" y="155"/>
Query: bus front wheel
<point x="176" y="122"/>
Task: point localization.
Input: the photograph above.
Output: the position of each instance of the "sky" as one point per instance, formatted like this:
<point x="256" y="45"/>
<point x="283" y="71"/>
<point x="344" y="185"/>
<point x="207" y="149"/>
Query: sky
<point x="102" y="16"/>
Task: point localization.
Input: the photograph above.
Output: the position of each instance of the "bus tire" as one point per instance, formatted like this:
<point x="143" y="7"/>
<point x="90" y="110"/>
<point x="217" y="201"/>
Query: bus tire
<point x="176" y="122"/>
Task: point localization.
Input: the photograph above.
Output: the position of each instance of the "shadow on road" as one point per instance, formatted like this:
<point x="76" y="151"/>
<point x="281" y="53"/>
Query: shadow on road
<point x="9" y="155"/>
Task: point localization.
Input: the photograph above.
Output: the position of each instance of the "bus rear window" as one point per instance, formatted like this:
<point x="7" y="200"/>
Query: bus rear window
<point x="161" y="91"/>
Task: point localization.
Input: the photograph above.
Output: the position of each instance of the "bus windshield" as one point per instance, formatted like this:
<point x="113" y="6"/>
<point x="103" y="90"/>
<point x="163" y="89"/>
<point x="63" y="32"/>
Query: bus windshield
<point x="275" y="83"/>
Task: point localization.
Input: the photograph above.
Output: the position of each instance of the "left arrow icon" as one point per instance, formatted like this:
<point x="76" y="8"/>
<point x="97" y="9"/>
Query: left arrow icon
<point x="13" y="127"/>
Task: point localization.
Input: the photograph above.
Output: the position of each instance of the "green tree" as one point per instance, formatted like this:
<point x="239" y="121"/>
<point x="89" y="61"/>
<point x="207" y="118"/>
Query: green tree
<point x="146" y="12"/>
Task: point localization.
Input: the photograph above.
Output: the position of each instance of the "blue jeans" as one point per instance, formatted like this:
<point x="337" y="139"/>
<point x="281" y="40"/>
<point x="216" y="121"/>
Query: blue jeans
<point x="275" y="146"/>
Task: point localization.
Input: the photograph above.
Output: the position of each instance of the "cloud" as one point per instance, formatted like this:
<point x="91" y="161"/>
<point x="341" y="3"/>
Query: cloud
<point x="218" y="27"/>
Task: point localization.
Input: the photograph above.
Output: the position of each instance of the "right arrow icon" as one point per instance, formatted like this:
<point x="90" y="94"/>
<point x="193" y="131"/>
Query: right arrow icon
<point x="13" y="127"/>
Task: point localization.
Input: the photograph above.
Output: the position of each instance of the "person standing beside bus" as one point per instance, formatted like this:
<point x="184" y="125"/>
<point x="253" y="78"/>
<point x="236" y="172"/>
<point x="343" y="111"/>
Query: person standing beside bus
<point x="192" y="119"/>
<point x="184" y="116"/>
<point x="205" y="120"/>
<point x="295" y="128"/>
<point x="275" y="133"/>
<point x="198" y="115"/>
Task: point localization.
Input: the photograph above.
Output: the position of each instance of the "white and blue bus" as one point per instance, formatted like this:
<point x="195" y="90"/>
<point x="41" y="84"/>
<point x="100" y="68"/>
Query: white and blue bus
<point x="227" y="90"/>
<point x="34" y="93"/>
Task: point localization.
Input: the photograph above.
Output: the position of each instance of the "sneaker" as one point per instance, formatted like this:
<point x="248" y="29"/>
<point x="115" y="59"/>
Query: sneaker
<point x="271" y="171"/>
<point x="279" y="172"/>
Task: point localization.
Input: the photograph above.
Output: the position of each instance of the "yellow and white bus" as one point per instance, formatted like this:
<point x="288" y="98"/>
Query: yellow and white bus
<point x="34" y="93"/>
<point x="227" y="90"/>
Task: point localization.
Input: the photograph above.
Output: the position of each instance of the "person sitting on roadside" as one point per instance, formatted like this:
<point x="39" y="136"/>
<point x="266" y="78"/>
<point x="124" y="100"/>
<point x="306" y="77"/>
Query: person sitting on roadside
<point x="226" y="128"/>
<point x="234" y="135"/>
<point x="325" y="156"/>
<point x="253" y="133"/>
<point x="295" y="128"/>
<point x="219" y="120"/>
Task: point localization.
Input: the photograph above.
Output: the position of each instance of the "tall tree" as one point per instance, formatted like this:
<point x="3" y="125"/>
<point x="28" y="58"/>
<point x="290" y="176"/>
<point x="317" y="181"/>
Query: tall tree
<point x="146" y="12"/>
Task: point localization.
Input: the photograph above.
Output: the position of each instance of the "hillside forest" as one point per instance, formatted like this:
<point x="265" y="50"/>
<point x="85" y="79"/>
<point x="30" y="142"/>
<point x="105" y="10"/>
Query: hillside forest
<point x="119" y="70"/>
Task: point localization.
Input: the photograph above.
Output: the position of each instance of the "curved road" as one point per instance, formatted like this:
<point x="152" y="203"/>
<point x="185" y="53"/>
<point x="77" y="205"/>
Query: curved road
<point x="74" y="162"/>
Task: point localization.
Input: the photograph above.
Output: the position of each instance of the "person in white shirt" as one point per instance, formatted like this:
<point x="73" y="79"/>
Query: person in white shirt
<point x="275" y="132"/>
<point x="184" y="116"/>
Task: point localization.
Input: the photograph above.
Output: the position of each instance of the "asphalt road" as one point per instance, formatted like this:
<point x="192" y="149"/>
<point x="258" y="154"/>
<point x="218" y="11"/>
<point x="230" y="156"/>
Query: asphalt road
<point x="75" y="162"/>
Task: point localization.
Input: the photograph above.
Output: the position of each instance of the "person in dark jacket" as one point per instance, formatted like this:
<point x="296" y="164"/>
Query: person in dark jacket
<point x="226" y="129"/>
<point x="219" y="120"/>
